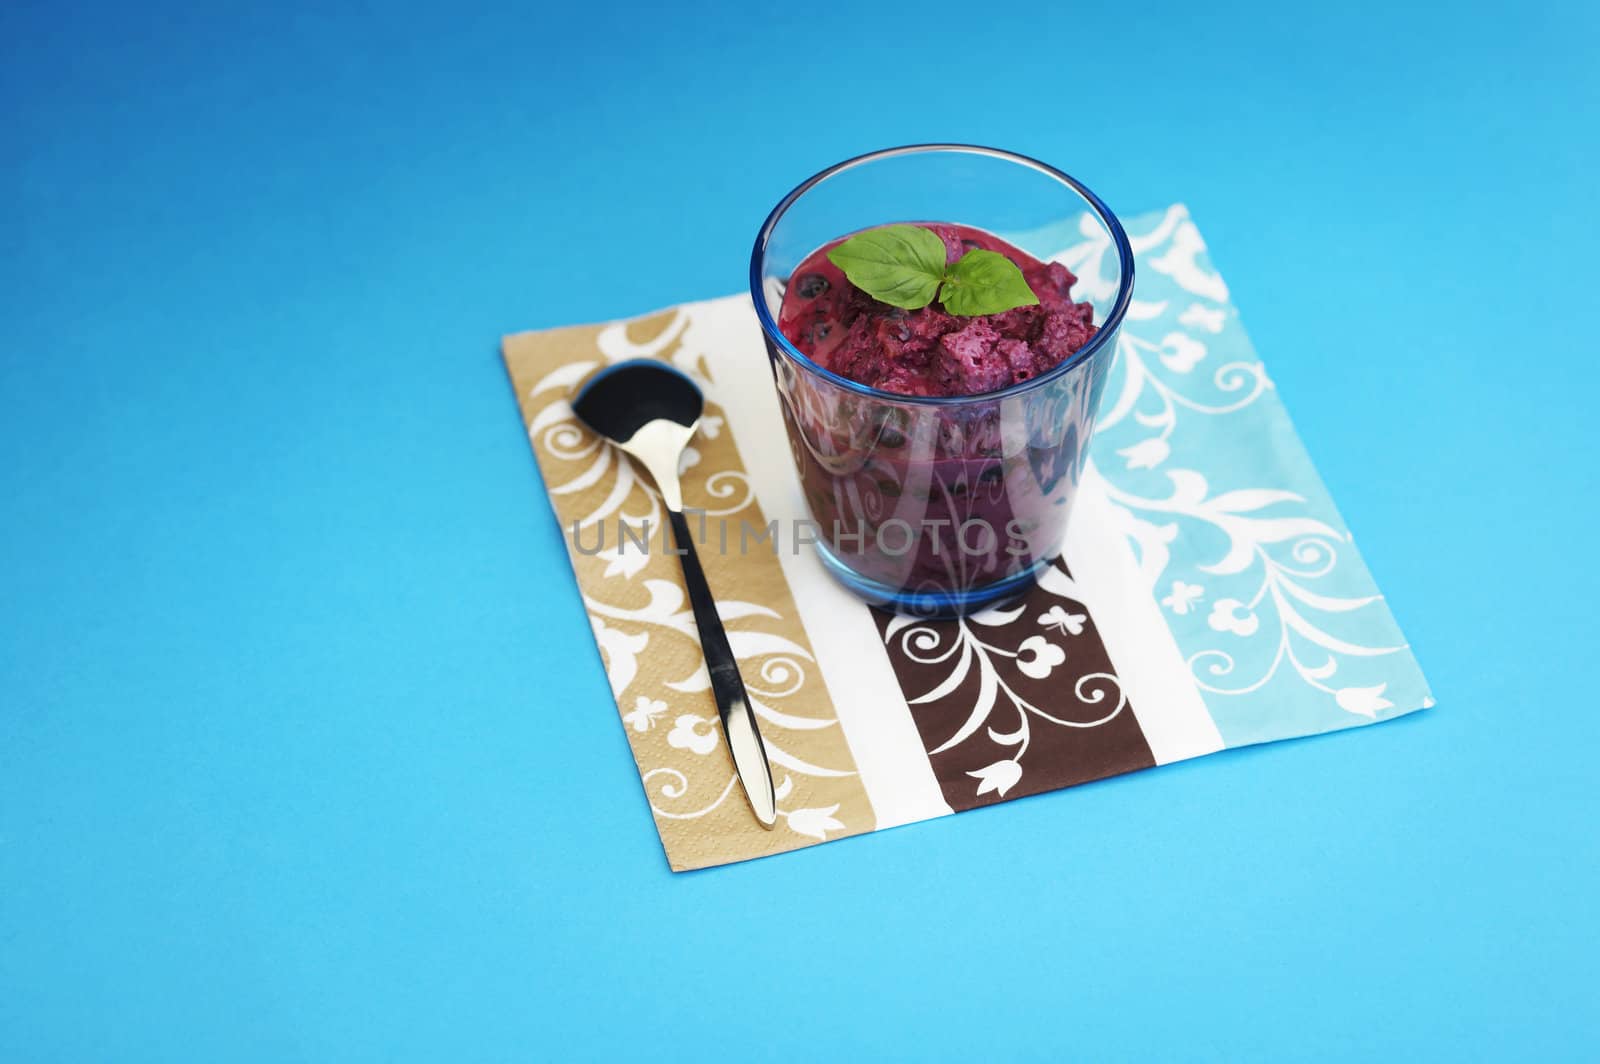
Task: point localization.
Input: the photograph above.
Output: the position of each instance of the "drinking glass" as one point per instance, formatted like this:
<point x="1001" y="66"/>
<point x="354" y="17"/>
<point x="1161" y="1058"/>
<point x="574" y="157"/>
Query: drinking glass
<point x="939" y="506"/>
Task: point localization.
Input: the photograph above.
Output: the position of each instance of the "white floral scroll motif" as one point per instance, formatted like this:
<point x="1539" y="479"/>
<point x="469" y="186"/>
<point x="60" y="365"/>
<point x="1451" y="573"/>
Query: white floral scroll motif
<point x="999" y="777"/>
<point x="1179" y="263"/>
<point x="693" y="732"/>
<point x="815" y="823"/>
<point x="1063" y="620"/>
<point x="1231" y="615"/>
<point x="1037" y="657"/>
<point x="1200" y="316"/>
<point x="1183" y="597"/>
<point x="645" y="711"/>
<point x="1368" y="701"/>
<point x="621" y="652"/>
<point x="1181" y="352"/>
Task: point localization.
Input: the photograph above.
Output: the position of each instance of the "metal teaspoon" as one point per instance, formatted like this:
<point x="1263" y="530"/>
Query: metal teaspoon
<point x="651" y="411"/>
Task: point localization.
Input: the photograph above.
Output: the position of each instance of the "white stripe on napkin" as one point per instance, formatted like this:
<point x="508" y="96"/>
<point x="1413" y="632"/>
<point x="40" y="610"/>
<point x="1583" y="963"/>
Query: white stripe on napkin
<point x="1160" y="688"/>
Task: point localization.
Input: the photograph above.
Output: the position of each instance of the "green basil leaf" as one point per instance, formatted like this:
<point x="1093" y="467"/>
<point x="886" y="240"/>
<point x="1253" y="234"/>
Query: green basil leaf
<point x="985" y="282"/>
<point x="901" y="265"/>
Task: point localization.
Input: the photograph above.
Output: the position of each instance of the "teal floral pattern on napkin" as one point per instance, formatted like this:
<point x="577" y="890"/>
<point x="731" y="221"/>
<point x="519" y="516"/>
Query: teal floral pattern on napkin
<point x="1281" y="624"/>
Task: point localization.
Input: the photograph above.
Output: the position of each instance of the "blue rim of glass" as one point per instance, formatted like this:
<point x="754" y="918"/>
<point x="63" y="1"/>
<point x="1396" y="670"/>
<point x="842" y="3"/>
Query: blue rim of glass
<point x="1107" y="328"/>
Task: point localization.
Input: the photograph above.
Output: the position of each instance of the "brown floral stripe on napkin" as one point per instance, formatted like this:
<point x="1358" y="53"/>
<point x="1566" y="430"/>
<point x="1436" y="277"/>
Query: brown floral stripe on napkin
<point x="1018" y="699"/>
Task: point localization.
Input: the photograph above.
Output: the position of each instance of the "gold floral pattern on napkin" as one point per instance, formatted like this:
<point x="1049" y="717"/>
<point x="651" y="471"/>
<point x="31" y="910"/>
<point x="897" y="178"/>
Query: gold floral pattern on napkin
<point x="643" y="624"/>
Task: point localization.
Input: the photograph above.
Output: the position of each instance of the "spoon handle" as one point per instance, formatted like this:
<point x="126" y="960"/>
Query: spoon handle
<point x="733" y="706"/>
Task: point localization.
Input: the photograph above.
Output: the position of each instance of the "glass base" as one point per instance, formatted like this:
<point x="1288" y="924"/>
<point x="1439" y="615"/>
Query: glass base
<point x="947" y="603"/>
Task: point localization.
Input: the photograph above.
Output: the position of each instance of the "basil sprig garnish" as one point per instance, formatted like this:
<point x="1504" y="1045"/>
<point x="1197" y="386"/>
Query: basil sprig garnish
<point x="904" y="266"/>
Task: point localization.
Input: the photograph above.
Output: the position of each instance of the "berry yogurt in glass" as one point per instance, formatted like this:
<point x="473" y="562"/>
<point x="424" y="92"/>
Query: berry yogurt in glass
<point x="939" y="452"/>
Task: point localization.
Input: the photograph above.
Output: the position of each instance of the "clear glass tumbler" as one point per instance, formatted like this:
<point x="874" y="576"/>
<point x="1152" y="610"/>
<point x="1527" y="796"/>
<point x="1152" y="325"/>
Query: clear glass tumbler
<point x="940" y="505"/>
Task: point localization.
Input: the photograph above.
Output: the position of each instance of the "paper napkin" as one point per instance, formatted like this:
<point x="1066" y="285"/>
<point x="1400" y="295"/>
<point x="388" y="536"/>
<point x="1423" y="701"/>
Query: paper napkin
<point x="1208" y="594"/>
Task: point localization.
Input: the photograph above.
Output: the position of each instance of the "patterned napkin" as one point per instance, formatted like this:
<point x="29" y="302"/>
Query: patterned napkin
<point x="1208" y="595"/>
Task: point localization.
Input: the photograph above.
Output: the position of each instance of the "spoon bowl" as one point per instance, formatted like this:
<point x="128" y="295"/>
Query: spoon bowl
<point x="621" y="399"/>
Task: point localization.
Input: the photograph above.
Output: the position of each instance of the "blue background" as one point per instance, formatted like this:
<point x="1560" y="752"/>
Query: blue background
<point x="305" y="752"/>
